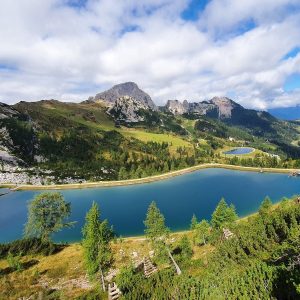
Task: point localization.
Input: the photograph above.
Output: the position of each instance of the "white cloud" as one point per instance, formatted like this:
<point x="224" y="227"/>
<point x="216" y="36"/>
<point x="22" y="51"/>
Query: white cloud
<point x="52" y="50"/>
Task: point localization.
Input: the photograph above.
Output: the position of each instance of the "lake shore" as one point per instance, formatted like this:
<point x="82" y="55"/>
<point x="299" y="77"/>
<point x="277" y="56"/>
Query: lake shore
<point x="146" y="179"/>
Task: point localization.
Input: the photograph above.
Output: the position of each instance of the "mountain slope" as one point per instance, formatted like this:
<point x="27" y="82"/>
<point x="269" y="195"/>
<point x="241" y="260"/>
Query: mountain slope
<point x="127" y="139"/>
<point x="129" y="89"/>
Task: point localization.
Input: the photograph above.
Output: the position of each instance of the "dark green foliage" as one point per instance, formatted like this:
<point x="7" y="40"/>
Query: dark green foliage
<point x="23" y="137"/>
<point x="261" y="261"/>
<point x="29" y="246"/>
<point x="163" y="285"/>
<point x="186" y="250"/>
<point x="256" y="262"/>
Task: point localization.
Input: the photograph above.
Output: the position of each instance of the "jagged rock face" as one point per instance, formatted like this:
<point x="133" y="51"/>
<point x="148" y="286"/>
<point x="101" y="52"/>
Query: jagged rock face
<point x="125" y="89"/>
<point x="176" y="107"/>
<point x="7" y="111"/>
<point x="218" y="107"/>
<point x="202" y="108"/>
<point x="225" y="106"/>
<point x="127" y="109"/>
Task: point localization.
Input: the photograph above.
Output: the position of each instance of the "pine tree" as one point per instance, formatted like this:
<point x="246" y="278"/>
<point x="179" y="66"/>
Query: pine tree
<point x="265" y="207"/>
<point x="223" y="215"/>
<point x="194" y="222"/>
<point x="122" y="173"/>
<point x="186" y="248"/>
<point x="96" y="243"/>
<point x="202" y="232"/>
<point x="155" y="223"/>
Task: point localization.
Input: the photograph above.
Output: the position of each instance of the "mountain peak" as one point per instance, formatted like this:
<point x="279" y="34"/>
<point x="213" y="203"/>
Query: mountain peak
<point x="129" y="89"/>
<point x="225" y="106"/>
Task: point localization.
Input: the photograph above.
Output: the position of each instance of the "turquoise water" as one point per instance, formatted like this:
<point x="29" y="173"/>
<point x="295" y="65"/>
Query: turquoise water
<point x="178" y="198"/>
<point x="239" y="151"/>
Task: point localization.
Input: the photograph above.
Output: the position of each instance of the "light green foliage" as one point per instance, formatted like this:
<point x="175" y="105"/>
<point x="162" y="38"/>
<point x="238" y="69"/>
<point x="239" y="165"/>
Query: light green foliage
<point x="201" y="232"/>
<point x="14" y="262"/>
<point x="265" y="207"/>
<point x="157" y="232"/>
<point x="223" y="215"/>
<point x="47" y="214"/>
<point x="96" y="242"/>
<point x="194" y="222"/>
<point x="155" y="224"/>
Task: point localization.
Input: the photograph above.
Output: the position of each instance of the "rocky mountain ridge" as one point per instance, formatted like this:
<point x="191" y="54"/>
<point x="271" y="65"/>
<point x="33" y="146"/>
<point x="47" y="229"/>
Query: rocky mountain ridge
<point x="128" y="110"/>
<point x="219" y="107"/>
<point x="129" y="89"/>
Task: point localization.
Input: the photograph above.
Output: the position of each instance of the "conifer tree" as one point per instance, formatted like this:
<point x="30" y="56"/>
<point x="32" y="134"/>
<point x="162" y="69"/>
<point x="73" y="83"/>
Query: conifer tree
<point x="194" y="222"/>
<point x="202" y="232"/>
<point x="265" y="207"/>
<point x="96" y="243"/>
<point x="223" y="215"/>
<point x="155" y="223"/>
<point x="47" y="214"/>
<point x="186" y="248"/>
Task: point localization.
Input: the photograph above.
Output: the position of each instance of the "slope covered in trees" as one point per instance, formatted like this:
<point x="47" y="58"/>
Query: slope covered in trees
<point x="260" y="259"/>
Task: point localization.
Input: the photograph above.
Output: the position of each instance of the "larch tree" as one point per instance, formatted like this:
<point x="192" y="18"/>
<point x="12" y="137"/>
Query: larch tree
<point x="47" y="214"/>
<point x="97" y="235"/>
<point x="223" y="215"/>
<point x="265" y="207"/>
<point x="194" y="222"/>
<point x="201" y="232"/>
<point x="158" y="233"/>
<point x="186" y="248"/>
<point x="155" y="224"/>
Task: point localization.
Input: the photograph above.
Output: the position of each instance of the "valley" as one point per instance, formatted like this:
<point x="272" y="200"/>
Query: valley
<point x="108" y="140"/>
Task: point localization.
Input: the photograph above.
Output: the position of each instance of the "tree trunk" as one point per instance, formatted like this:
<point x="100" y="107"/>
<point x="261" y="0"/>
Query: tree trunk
<point x="102" y="279"/>
<point x="178" y="271"/>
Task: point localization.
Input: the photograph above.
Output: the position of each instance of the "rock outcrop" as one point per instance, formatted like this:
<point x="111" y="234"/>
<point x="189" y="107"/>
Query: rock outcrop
<point x="6" y="111"/>
<point x="218" y="107"/>
<point x="129" y="89"/>
<point x="128" y="110"/>
<point x="225" y="106"/>
<point x="176" y="107"/>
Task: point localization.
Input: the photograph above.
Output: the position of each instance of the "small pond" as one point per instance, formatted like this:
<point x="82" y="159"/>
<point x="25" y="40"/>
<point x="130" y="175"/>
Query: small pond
<point x="239" y="151"/>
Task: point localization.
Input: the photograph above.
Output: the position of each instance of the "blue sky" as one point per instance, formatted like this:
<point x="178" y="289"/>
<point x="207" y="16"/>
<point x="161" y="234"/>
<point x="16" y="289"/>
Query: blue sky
<point x="292" y="83"/>
<point x="173" y="49"/>
<point x="191" y="12"/>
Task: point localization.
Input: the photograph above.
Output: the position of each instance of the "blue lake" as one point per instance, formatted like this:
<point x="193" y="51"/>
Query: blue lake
<point x="239" y="151"/>
<point x="178" y="198"/>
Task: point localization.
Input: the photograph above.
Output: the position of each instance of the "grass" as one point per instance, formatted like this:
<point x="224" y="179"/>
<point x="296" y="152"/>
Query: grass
<point x="65" y="270"/>
<point x="189" y="125"/>
<point x="145" y="136"/>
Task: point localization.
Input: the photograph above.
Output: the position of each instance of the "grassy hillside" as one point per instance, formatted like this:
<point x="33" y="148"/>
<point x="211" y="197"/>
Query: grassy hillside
<point x="261" y="261"/>
<point x="81" y="141"/>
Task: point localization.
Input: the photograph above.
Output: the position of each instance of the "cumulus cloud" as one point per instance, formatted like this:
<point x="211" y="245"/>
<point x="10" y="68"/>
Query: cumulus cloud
<point x="69" y="50"/>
